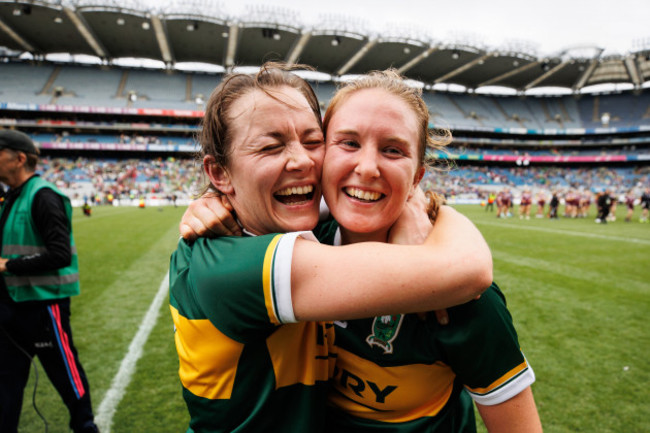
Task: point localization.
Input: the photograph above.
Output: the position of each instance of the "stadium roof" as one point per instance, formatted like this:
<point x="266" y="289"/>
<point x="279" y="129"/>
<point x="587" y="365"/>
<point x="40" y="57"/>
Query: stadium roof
<point x="202" y="31"/>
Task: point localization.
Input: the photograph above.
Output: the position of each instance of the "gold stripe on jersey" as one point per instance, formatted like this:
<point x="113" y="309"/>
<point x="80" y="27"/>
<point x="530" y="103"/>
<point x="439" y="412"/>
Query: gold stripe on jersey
<point x="198" y="344"/>
<point x="390" y="394"/>
<point x="299" y="353"/>
<point x="500" y="381"/>
<point x="268" y="282"/>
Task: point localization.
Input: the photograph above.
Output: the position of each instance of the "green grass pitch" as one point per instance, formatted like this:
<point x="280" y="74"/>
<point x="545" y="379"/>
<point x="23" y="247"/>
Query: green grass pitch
<point x="579" y="293"/>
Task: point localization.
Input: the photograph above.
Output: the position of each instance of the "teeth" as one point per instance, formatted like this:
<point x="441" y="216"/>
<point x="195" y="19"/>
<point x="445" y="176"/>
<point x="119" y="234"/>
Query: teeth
<point x="296" y="190"/>
<point x="363" y="195"/>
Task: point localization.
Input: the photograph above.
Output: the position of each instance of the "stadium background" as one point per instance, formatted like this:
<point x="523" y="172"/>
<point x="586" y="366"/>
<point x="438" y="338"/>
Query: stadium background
<point x="115" y="134"/>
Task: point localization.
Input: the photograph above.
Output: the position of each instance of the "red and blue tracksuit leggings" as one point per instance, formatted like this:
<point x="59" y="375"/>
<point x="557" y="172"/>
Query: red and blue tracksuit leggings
<point x="42" y="329"/>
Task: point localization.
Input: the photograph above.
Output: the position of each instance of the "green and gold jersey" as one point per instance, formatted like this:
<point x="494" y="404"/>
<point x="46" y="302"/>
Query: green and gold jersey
<point x="245" y="365"/>
<point x="406" y="374"/>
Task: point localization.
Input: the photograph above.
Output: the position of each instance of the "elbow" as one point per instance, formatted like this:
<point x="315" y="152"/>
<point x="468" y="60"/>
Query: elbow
<point x="482" y="275"/>
<point x="62" y="261"/>
<point x="486" y="278"/>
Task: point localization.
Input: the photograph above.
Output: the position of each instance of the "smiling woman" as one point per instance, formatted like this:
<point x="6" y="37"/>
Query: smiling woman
<point x="366" y="184"/>
<point x="248" y="310"/>
<point x="272" y="172"/>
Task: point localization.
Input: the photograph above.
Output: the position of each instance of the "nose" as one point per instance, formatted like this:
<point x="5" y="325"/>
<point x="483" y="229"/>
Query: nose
<point x="298" y="158"/>
<point x="367" y="165"/>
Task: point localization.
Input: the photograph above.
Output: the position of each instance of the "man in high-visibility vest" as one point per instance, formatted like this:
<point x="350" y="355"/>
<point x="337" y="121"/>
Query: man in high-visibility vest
<point x="38" y="275"/>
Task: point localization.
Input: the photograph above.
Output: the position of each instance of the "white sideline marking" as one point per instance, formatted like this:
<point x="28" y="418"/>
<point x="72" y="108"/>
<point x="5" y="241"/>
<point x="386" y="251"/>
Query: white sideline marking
<point x="568" y="232"/>
<point x="114" y="395"/>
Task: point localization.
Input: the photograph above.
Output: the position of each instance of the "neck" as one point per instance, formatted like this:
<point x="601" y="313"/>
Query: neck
<point x="20" y="178"/>
<point x="349" y="237"/>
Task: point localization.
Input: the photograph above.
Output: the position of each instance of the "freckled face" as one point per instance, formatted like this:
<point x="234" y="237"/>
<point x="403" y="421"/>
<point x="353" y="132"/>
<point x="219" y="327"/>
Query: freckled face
<point x="276" y="162"/>
<point x="371" y="163"/>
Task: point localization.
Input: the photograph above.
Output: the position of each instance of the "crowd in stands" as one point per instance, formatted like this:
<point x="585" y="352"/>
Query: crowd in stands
<point x="66" y="137"/>
<point x="101" y="181"/>
<point x="550" y="151"/>
<point x="477" y="181"/>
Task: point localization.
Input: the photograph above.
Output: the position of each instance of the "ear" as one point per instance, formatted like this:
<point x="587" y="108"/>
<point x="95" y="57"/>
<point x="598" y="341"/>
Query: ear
<point x="20" y="156"/>
<point x="218" y="175"/>
<point x="416" y="180"/>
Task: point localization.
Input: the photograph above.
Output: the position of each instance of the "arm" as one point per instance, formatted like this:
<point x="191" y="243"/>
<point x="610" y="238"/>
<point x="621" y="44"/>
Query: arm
<point x="517" y="415"/>
<point x="209" y="216"/>
<point x="51" y="221"/>
<point x="212" y="216"/>
<point x="367" y="279"/>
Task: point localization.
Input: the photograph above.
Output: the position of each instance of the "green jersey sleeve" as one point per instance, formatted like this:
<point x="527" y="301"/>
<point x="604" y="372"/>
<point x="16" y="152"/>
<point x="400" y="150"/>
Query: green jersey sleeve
<point x="482" y="348"/>
<point x="241" y="284"/>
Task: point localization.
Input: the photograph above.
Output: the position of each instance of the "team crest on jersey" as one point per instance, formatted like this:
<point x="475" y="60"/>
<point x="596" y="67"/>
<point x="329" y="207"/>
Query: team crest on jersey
<point x="384" y="331"/>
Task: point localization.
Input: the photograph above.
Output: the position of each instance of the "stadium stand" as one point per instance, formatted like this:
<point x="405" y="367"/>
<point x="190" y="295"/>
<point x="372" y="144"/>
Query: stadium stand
<point x="102" y="114"/>
<point x="498" y="140"/>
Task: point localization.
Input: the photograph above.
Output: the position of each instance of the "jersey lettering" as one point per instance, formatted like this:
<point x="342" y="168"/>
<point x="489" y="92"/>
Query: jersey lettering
<point x="381" y="393"/>
<point x="358" y="385"/>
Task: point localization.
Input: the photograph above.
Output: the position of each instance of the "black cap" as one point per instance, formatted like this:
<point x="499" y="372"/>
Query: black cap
<point x="16" y="140"/>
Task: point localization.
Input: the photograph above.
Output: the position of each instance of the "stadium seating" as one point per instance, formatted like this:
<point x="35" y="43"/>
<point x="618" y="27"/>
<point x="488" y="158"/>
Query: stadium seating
<point x="53" y="100"/>
<point x="101" y="86"/>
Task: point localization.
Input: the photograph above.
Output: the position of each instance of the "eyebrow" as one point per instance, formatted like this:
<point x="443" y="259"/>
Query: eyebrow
<point x="278" y="134"/>
<point x="391" y="139"/>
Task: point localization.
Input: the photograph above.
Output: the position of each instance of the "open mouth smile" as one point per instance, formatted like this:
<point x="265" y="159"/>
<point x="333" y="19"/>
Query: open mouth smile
<point x="365" y="196"/>
<point x="295" y="195"/>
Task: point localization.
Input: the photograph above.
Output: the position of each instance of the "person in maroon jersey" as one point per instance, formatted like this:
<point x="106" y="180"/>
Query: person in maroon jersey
<point x="507" y="203"/>
<point x="524" y="205"/>
<point x="585" y="203"/>
<point x="629" y="203"/>
<point x="541" y="202"/>
<point x="499" y="200"/>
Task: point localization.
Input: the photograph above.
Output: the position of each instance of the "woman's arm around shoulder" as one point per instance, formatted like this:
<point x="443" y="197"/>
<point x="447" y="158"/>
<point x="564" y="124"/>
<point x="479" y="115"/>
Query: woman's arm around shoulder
<point x="367" y="279"/>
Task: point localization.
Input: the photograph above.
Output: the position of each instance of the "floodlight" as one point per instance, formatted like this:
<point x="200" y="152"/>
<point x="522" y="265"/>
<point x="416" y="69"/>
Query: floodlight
<point x="192" y="27"/>
<point x="277" y="36"/>
<point x="407" y="50"/>
<point x="336" y="41"/>
<point x="22" y="10"/>
<point x="120" y="21"/>
<point x="224" y="34"/>
<point x="515" y="63"/>
<point x="58" y="20"/>
<point x="146" y="25"/>
<point x="605" y="118"/>
<point x="455" y="55"/>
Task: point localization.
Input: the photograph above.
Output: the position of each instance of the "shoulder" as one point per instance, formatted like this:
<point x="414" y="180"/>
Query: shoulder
<point x="209" y="255"/>
<point x="325" y="231"/>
